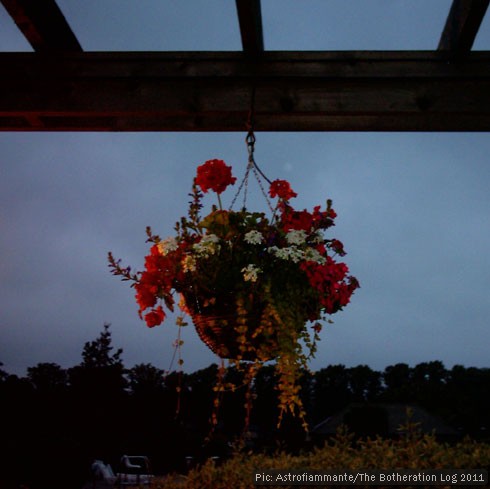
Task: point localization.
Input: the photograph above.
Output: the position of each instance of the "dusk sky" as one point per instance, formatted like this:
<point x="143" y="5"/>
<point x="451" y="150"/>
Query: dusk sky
<point x="413" y="208"/>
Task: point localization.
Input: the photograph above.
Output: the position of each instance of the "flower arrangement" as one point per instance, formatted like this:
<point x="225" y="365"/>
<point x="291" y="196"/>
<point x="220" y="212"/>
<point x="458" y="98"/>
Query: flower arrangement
<point x="255" y="287"/>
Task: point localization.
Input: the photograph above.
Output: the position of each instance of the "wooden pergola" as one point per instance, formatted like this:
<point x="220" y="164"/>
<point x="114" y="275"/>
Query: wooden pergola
<point x="59" y="87"/>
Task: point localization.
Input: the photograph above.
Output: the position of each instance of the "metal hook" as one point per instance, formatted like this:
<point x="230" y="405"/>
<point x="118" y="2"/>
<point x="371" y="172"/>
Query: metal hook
<point x="250" y="140"/>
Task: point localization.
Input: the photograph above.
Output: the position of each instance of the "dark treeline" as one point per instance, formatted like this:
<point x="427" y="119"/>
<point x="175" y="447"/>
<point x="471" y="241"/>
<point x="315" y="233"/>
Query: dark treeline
<point x="56" y="421"/>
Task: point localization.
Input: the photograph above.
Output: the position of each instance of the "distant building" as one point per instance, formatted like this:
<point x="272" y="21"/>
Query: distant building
<point x="385" y="420"/>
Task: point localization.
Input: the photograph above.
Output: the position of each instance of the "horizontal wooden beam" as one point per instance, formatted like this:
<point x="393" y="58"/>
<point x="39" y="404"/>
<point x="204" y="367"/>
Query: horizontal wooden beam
<point x="43" y="25"/>
<point x="462" y="25"/>
<point x="294" y="91"/>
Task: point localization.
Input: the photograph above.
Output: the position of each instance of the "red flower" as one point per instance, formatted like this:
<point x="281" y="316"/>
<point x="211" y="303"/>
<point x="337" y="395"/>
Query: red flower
<point x="337" y="246"/>
<point x="155" y="317"/>
<point x="156" y="281"/>
<point x="304" y="220"/>
<point x="282" y="189"/>
<point x="331" y="282"/>
<point x="145" y="296"/>
<point x="298" y="220"/>
<point x="214" y="175"/>
<point x="323" y="219"/>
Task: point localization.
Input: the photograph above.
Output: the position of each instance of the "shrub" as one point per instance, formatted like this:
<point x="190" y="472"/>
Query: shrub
<point x="420" y="452"/>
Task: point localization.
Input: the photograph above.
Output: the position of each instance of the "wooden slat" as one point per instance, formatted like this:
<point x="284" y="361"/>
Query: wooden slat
<point x="43" y="25"/>
<point x="462" y="25"/>
<point x="294" y="91"/>
<point x="250" y="20"/>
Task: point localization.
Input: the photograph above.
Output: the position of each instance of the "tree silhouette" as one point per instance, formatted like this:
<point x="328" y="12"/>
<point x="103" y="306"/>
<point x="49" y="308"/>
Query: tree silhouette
<point x="332" y="391"/>
<point x="98" y="393"/>
<point x="3" y="374"/>
<point x="398" y="383"/>
<point x="265" y="410"/>
<point x="468" y="400"/>
<point x="101" y="372"/>
<point x="364" y="383"/>
<point x="48" y="378"/>
<point x="146" y="380"/>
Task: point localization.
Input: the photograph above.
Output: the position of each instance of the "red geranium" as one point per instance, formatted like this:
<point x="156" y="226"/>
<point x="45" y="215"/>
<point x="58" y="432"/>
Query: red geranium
<point x="155" y="281"/>
<point x="332" y="283"/>
<point x="282" y="188"/>
<point x="337" y="246"/>
<point x="155" y="317"/>
<point x="214" y="175"/>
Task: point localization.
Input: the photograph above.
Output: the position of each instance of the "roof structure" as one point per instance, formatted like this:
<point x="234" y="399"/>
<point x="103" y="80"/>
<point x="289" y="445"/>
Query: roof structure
<point x="385" y="419"/>
<point x="60" y="87"/>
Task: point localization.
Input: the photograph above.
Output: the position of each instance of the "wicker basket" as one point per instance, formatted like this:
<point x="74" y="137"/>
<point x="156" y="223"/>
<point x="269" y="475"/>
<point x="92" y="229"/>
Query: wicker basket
<point x="216" y="321"/>
<point x="219" y="334"/>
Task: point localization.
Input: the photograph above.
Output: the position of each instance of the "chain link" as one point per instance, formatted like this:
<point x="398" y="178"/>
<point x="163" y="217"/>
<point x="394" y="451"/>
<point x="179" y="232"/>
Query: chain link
<point x="259" y="175"/>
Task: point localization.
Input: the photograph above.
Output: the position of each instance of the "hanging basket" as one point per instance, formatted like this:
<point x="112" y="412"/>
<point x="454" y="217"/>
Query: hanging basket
<point x="250" y="283"/>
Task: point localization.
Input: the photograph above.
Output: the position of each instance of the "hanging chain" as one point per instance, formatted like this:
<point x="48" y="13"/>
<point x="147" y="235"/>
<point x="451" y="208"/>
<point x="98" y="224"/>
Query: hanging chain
<point x="243" y="183"/>
<point x="252" y="165"/>
<point x="257" y="172"/>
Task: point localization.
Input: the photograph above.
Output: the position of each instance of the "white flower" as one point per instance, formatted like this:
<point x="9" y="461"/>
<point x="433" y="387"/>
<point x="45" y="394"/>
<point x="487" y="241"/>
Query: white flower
<point x="279" y="252"/>
<point x="207" y="246"/>
<point x="189" y="264"/>
<point x="250" y="273"/>
<point x="292" y="253"/>
<point x="313" y="255"/>
<point x="254" y="237"/>
<point x="296" y="237"/>
<point x="318" y="236"/>
<point x="210" y="238"/>
<point x="295" y="255"/>
<point x="167" y="245"/>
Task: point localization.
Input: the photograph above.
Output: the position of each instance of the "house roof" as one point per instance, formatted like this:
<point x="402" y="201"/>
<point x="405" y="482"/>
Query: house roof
<point x="395" y="417"/>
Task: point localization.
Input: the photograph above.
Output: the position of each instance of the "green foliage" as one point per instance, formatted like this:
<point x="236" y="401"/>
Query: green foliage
<point x="413" y="451"/>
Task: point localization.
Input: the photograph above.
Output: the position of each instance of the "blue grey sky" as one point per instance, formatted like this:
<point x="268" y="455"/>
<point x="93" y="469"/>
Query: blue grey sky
<point x="412" y="207"/>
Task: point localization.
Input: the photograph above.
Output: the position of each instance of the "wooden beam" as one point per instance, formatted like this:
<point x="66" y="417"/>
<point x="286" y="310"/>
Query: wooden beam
<point x="250" y="20"/>
<point x="294" y="91"/>
<point x="462" y="25"/>
<point x="43" y="25"/>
